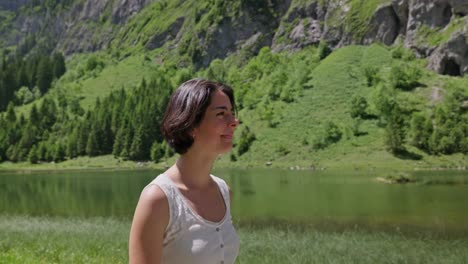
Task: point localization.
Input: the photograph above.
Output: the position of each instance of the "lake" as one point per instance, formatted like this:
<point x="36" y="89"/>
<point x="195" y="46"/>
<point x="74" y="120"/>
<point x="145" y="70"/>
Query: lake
<point x="324" y="200"/>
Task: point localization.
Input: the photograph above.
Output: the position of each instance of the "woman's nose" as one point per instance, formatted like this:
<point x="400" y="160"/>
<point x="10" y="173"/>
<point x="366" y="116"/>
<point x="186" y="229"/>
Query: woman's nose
<point x="234" y="122"/>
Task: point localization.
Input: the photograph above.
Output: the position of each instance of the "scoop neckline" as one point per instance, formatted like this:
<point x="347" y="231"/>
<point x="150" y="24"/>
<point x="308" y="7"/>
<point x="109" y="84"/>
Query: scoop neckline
<point x="192" y="211"/>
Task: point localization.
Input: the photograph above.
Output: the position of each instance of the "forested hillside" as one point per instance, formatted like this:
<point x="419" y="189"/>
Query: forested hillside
<point x="317" y="83"/>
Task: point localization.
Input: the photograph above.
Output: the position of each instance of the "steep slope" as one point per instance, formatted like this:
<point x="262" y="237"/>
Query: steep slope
<point x="292" y="97"/>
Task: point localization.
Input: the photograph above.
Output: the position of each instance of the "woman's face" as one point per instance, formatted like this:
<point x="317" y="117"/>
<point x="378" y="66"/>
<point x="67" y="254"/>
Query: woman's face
<point x="215" y="132"/>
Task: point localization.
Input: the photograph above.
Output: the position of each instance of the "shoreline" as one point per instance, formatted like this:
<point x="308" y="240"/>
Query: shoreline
<point x="341" y="164"/>
<point x="25" y="168"/>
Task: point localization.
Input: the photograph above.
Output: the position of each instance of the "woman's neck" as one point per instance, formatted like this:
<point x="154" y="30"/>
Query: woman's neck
<point x="192" y="169"/>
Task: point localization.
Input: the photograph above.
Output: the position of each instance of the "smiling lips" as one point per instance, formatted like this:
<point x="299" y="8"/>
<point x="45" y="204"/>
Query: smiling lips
<point x="228" y="136"/>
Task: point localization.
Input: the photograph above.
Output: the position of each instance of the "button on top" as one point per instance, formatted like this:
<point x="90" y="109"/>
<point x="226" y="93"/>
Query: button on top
<point x="217" y="229"/>
<point x="222" y="245"/>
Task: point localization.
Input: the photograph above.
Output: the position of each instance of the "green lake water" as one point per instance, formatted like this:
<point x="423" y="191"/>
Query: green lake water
<point x="323" y="200"/>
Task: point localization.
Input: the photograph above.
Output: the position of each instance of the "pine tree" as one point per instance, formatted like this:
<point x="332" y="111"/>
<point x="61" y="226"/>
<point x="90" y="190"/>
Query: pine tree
<point x="119" y="142"/>
<point x="59" y="152"/>
<point x="28" y="137"/>
<point x="137" y="148"/>
<point x="22" y="77"/>
<point x="42" y="151"/>
<point x="71" y="150"/>
<point x="82" y="138"/>
<point x="33" y="157"/>
<point x="48" y="112"/>
<point x="3" y="95"/>
<point x="44" y="74"/>
<point x="34" y="117"/>
<point x="58" y="65"/>
<point x="11" y="116"/>
<point x="92" y="147"/>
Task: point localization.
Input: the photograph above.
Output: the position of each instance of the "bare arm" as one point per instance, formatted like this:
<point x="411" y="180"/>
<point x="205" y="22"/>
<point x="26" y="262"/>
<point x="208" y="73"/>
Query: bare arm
<point x="149" y="223"/>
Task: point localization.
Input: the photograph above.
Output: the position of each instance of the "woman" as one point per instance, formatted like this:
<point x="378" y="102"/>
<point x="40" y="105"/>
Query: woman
<point x="183" y="216"/>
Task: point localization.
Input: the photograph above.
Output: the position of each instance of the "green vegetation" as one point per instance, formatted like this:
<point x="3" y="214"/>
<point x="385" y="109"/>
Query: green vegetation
<point x="358" y="18"/>
<point x="352" y="101"/>
<point x="101" y="240"/>
<point x="439" y="36"/>
<point x="23" y="79"/>
<point x="311" y="107"/>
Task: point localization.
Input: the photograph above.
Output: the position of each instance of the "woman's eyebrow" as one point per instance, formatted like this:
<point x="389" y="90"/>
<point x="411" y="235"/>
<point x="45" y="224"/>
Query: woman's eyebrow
<point x="221" y="107"/>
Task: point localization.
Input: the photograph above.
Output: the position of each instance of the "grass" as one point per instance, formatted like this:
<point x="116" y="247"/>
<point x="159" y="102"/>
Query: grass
<point x="152" y="20"/>
<point x="437" y="36"/>
<point x="359" y="16"/>
<point x="100" y="240"/>
<point x="83" y="163"/>
<point x="334" y="82"/>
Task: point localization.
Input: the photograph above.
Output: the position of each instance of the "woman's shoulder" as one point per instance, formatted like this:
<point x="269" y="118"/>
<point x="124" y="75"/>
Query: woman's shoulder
<point x="222" y="183"/>
<point x="154" y="196"/>
<point x="218" y="179"/>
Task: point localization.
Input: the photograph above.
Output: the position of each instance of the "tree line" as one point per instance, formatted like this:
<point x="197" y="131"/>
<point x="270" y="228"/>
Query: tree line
<point x="25" y="78"/>
<point x="124" y="124"/>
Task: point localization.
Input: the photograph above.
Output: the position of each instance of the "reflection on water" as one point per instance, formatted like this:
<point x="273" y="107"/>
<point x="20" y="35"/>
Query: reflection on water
<point x="323" y="200"/>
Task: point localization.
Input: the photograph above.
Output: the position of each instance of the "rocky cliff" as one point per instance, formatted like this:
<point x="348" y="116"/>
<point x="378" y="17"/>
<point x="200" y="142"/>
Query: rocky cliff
<point x="408" y="21"/>
<point x="436" y="29"/>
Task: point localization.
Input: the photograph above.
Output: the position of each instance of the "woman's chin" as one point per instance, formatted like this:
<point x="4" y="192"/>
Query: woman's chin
<point x="225" y="149"/>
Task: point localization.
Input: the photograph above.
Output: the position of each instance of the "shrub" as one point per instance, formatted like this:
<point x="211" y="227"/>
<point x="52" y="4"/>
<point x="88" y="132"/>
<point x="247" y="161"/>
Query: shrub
<point x="359" y="107"/>
<point x="323" y="50"/>
<point x="245" y="140"/>
<point x="400" y="52"/>
<point x="404" y="77"/>
<point x="372" y="76"/>
<point x="330" y="134"/>
<point x="420" y="130"/>
<point x="24" y="95"/>
<point x="282" y="150"/>
<point x="94" y="63"/>
<point x="157" y="151"/>
<point x="394" y="129"/>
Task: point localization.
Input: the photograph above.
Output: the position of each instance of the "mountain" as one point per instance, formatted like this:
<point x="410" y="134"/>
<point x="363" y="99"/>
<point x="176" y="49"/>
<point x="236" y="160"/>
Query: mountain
<point x="409" y="56"/>
<point x="433" y="29"/>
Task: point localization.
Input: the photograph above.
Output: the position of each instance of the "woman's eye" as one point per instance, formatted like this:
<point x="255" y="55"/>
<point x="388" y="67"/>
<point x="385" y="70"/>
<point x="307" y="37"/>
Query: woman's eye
<point x="220" y="114"/>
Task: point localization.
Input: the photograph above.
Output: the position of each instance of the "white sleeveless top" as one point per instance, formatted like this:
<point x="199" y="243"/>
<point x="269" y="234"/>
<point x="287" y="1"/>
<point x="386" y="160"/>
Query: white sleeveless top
<point x="189" y="238"/>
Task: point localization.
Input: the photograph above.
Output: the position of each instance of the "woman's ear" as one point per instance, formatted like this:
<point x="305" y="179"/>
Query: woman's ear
<point x="193" y="133"/>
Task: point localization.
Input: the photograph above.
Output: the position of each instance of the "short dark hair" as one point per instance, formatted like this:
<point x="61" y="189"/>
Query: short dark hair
<point x="186" y="109"/>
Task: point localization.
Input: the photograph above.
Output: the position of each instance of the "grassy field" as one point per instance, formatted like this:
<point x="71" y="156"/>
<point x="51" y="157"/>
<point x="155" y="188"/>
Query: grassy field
<point x="101" y="240"/>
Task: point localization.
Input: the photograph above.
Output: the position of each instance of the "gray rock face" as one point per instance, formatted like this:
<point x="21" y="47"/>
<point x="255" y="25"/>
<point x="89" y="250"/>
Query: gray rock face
<point x="283" y="28"/>
<point x="307" y="32"/>
<point x="127" y="8"/>
<point x="12" y="5"/>
<point x="251" y="30"/>
<point x="402" y="18"/>
<point x="171" y="33"/>
<point x="460" y="7"/>
<point x="431" y="14"/>
<point x="384" y="26"/>
<point x="71" y="28"/>
<point x="334" y="34"/>
<point x="93" y="9"/>
<point x="451" y="58"/>
<point x="230" y="35"/>
<point x="401" y="10"/>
